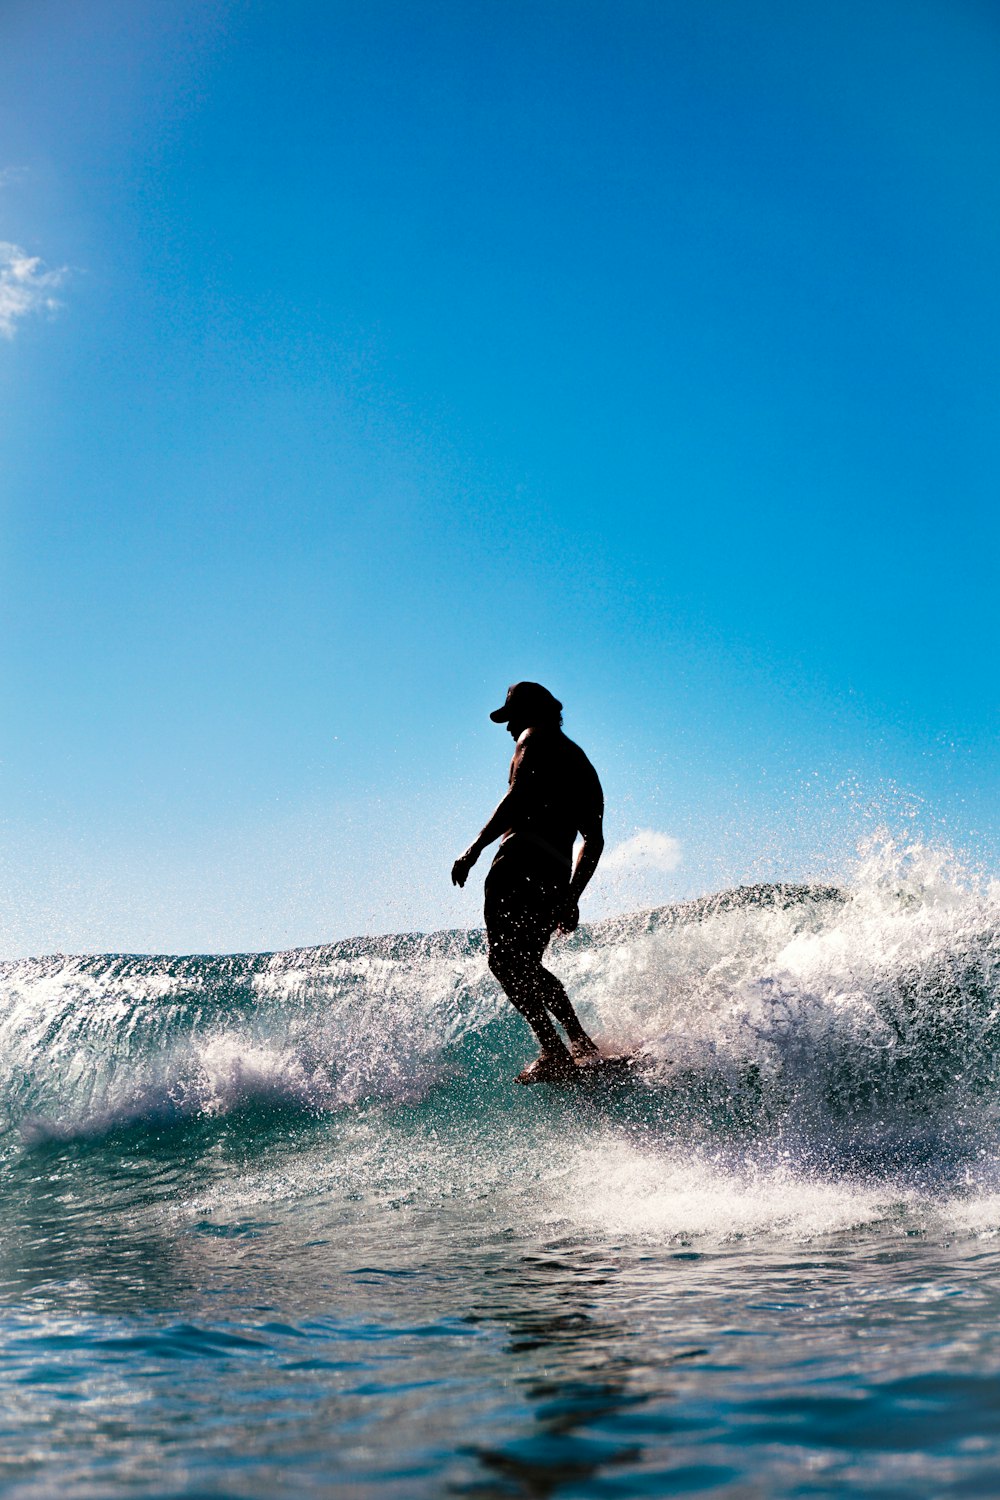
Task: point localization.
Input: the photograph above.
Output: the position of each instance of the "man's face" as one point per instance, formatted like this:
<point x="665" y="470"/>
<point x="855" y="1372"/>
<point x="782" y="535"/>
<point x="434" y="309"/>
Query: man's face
<point x="516" y="726"/>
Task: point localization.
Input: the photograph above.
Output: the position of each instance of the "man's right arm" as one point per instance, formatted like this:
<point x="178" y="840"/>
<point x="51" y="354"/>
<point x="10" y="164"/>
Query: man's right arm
<point x="504" y="814"/>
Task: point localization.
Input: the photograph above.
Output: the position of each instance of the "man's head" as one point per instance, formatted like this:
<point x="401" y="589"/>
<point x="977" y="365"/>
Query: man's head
<point x="527" y="706"/>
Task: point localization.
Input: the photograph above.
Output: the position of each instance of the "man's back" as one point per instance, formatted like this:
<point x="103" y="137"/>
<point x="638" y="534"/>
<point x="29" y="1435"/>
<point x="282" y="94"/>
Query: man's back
<point x="556" y="791"/>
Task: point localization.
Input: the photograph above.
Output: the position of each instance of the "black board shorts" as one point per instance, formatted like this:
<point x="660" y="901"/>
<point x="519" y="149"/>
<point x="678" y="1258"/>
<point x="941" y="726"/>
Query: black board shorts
<point x="523" y="900"/>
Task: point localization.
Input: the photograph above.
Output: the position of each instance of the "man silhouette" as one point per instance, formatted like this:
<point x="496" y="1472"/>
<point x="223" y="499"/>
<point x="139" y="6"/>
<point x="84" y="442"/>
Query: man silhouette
<point x="533" y="889"/>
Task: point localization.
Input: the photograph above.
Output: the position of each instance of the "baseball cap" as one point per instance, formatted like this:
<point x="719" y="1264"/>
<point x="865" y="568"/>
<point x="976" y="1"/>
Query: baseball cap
<point x="528" y="700"/>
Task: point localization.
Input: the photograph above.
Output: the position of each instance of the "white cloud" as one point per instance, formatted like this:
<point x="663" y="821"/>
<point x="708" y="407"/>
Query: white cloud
<point x="645" y="850"/>
<point x="25" y="286"/>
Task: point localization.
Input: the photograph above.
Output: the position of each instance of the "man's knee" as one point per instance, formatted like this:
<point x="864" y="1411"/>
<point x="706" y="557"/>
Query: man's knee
<point x="501" y="962"/>
<point x="516" y="970"/>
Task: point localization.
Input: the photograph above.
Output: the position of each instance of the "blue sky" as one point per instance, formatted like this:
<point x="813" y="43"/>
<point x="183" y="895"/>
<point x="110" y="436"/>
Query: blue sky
<point x="357" y="361"/>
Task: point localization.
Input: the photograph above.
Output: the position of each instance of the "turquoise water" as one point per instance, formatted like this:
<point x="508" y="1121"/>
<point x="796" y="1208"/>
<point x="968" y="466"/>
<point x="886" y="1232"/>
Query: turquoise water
<point x="284" y="1224"/>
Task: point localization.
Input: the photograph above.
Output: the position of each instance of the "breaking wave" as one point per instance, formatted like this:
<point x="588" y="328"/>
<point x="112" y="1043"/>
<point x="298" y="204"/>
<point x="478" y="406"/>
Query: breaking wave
<point x="855" y="1026"/>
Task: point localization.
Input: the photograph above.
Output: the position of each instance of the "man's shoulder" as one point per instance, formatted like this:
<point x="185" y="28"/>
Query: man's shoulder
<point x="566" y="755"/>
<point x="539" y="741"/>
<point x="587" y="781"/>
<point x="572" y="749"/>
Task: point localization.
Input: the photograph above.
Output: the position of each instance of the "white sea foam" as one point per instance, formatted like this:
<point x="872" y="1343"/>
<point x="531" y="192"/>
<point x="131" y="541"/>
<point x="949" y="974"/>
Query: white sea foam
<point x="625" y="1190"/>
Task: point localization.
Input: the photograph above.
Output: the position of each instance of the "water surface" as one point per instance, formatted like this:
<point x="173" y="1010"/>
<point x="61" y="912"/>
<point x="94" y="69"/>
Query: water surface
<point x="284" y="1223"/>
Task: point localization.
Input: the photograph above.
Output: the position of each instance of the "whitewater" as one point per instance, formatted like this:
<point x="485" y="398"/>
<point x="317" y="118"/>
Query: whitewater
<point x="284" y="1223"/>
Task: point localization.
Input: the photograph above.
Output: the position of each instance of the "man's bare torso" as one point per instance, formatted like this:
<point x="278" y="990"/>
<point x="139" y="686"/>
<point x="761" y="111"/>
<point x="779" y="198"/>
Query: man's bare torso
<point x="556" y="795"/>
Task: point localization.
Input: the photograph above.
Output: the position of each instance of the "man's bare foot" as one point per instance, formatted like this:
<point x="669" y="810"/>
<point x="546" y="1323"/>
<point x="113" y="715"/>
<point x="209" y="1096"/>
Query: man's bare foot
<point x="583" y="1049"/>
<point x="549" y="1067"/>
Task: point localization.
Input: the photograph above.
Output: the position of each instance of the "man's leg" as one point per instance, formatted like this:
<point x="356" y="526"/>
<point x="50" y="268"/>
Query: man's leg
<point x="520" y="974"/>
<point x="534" y="991"/>
<point x="555" y="999"/>
<point x="518" y="928"/>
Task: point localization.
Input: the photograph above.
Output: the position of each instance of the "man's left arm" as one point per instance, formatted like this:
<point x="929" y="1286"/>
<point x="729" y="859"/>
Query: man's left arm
<point x="586" y="863"/>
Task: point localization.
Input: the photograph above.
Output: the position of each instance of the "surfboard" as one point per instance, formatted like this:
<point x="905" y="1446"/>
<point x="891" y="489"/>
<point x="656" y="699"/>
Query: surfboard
<point x="589" y="1071"/>
<point x="613" y="1068"/>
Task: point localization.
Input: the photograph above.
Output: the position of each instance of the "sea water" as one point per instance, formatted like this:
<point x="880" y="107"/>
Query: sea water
<point x="284" y="1224"/>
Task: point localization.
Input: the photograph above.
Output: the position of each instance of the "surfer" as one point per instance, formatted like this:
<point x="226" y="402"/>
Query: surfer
<point x="533" y="888"/>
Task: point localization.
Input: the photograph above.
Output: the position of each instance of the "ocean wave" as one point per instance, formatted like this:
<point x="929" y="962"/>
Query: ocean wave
<point x="855" y="1026"/>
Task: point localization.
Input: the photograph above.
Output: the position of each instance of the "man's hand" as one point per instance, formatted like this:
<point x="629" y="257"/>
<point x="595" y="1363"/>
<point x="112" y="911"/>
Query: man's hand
<point x="569" y="917"/>
<point x="463" y="864"/>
